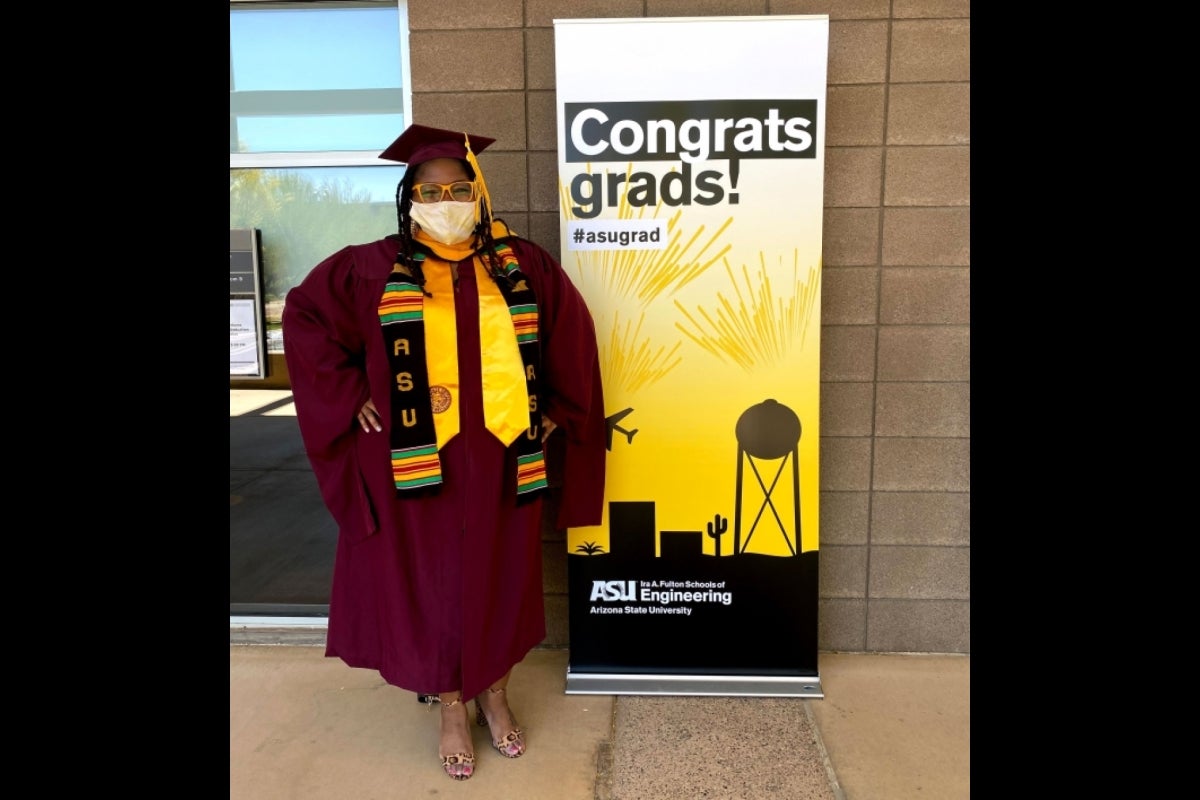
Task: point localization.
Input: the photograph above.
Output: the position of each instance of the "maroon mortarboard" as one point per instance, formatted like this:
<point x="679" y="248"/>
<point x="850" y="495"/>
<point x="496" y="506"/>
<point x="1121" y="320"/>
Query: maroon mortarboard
<point x="420" y="143"/>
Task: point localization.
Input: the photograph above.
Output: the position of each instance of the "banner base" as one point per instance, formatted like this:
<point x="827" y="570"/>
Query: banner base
<point x="695" y="685"/>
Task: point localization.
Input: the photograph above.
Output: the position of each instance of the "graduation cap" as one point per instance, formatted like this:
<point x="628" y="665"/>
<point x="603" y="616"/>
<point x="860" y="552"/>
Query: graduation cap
<point x="421" y="143"/>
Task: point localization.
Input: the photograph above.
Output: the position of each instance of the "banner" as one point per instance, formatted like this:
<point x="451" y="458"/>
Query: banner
<point x="691" y="172"/>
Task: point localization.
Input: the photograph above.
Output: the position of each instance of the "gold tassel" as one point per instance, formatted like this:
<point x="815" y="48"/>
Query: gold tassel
<point x="483" y="191"/>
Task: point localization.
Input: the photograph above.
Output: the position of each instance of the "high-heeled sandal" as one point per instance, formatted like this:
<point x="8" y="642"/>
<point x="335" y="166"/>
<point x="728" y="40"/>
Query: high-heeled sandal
<point x="459" y="766"/>
<point x="511" y="744"/>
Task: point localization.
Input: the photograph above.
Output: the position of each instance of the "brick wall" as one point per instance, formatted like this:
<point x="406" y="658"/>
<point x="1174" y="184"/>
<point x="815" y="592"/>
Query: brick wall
<point x="895" y="533"/>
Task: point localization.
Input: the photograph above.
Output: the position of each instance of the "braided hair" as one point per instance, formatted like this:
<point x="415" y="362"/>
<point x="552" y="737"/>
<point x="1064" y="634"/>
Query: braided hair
<point x="483" y="240"/>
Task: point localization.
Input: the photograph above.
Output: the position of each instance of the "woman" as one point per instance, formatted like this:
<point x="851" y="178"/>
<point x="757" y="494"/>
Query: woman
<point x="428" y="369"/>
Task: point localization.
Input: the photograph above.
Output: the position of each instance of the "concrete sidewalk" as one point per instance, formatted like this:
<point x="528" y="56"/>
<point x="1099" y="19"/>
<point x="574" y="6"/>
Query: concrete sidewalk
<point x="890" y="727"/>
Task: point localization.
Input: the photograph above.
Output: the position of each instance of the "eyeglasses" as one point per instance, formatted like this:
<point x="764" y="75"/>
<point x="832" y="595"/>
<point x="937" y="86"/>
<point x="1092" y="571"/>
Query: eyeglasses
<point x="459" y="191"/>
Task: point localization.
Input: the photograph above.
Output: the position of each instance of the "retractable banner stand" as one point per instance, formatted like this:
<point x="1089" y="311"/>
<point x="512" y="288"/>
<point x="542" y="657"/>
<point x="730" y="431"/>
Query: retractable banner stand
<point x="691" y="173"/>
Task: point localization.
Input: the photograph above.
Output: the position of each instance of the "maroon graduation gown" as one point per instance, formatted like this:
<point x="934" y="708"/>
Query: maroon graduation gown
<point x="441" y="593"/>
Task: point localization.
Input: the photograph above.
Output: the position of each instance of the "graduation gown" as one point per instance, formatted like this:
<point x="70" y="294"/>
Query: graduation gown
<point x="439" y="593"/>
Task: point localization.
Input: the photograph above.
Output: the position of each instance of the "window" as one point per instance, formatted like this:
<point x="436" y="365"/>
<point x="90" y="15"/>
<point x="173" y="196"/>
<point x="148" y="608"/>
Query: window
<point x="316" y="91"/>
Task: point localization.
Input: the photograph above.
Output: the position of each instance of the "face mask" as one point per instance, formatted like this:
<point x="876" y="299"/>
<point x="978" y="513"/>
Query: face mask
<point x="447" y="222"/>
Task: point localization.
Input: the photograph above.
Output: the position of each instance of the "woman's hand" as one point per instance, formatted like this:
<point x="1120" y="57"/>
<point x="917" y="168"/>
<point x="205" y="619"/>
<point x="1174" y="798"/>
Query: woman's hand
<point x="368" y="417"/>
<point x="548" y="427"/>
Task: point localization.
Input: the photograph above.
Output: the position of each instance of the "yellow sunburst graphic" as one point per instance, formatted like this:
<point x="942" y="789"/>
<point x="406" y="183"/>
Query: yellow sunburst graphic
<point x="755" y="327"/>
<point x="628" y="360"/>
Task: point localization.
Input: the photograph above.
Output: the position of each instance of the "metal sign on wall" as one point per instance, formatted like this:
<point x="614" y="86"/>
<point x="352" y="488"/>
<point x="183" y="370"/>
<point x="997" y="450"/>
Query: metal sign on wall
<point x="247" y="324"/>
<point x="691" y="175"/>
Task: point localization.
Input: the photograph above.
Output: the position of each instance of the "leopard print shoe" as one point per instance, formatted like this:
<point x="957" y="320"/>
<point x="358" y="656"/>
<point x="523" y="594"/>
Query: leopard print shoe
<point x="459" y="766"/>
<point x="511" y="744"/>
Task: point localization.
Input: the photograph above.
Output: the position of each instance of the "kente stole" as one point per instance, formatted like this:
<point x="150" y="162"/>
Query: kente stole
<point x="420" y="336"/>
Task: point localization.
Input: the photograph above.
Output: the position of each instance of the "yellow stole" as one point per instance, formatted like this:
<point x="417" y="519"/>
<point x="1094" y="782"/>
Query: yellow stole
<point x="505" y="396"/>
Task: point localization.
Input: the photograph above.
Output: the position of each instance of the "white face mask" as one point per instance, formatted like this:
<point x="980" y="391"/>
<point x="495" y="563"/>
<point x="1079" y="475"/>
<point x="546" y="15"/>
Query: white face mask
<point x="447" y="222"/>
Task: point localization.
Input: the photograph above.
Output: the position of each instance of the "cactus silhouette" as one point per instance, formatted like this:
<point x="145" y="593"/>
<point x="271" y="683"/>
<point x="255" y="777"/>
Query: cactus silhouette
<point x="716" y="529"/>
<point x="590" y="548"/>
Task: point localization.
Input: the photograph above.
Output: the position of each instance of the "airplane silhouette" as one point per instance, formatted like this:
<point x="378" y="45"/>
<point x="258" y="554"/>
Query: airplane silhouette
<point x="612" y="421"/>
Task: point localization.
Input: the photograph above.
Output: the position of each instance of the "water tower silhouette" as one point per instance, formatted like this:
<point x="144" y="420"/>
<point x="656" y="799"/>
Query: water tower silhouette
<point x="767" y="431"/>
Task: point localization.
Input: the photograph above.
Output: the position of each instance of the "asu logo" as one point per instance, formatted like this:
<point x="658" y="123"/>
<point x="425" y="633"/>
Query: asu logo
<point x="610" y="591"/>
